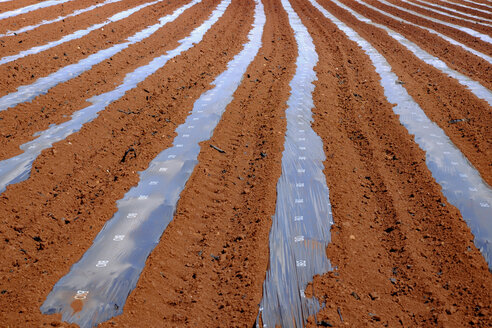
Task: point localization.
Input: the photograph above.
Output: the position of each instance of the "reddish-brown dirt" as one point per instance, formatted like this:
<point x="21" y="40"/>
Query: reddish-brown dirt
<point x="429" y="13"/>
<point x="465" y="8"/>
<point x="403" y="255"/>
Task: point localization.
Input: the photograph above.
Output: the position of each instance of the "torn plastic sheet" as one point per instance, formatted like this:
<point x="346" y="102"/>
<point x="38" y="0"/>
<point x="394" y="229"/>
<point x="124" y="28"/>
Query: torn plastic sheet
<point x="301" y="225"/>
<point x="109" y="270"/>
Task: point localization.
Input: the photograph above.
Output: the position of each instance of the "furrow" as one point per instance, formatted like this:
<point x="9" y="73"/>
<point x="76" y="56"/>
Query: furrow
<point x="471" y="41"/>
<point x="432" y="31"/>
<point x="74" y="83"/>
<point x="449" y="12"/>
<point x="18" y="168"/>
<point x="109" y="270"/>
<point x="59" y="18"/>
<point x="29" y="69"/>
<point x="471" y="30"/>
<point x="462" y="184"/>
<point x="301" y="224"/>
<point x="446" y="104"/>
<point x="77" y="34"/>
<point x="462" y="8"/>
<point x="23" y="10"/>
<point x="226" y="206"/>
<point x="154" y="110"/>
<point x="392" y="225"/>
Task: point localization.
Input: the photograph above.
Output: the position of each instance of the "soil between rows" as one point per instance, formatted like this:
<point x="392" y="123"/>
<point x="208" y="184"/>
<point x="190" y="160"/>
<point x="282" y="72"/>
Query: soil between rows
<point x="19" y="124"/>
<point x="391" y="220"/>
<point x="474" y="26"/>
<point x="442" y="98"/>
<point x="445" y="6"/>
<point x="455" y="57"/>
<point x="37" y="16"/>
<point x="74" y="186"/>
<point x="458" y="35"/>
<point x="12" y="45"/>
<point x="28" y="69"/>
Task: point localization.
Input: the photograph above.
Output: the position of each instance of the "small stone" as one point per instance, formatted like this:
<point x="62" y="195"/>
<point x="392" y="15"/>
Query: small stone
<point x="393" y="280"/>
<point x="354" y="294"/>
<point x="373" y="296"/>
<point x="325" y="323"/>
<point x="352" y="237"/>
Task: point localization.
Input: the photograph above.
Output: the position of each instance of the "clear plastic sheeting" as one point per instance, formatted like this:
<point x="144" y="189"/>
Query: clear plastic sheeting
<point x="461" y="183"/>
<point x="109" y="270"/>
<point x="462" y="6"/>
<point x="427" y="6"/>
<point x="301" y="225"/>
<point x="77" y="34"/>
<point x="42" y="85"/>
<point x="23" y="10"/>
<point x="18" y="168"/>
<point x="476" y="88"/>
<point x="448" y="39"/>
<point x="58" y="19"/>
<point x="467" y="30"/>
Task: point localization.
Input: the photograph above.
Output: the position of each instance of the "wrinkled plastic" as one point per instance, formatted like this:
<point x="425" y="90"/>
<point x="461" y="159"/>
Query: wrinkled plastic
<point x="18" y="168"/>
<point x="109" y="270"/>
<point x="447" y="38"/>
<point x="461" y="183"/>
<point x="301" y="225"/>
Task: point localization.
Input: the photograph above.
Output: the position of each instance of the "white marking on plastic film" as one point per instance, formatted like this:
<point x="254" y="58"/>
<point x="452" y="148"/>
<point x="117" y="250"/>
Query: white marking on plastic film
<point x="300" y="263"/>
<point x="153" y="183"/>
<point x="191" y="127"/>
<point x="162" y="169"/>
<point x="298" y="218"/>
<point x="300" y="185"/>
<point x="186" y="135"/>
<point x="102" y="263"/>
<point x="196" y="118"/>
<point x="298" y="239"/>
<point x="472" y="189"/>
<point x="483" y="204"/>
<point x="179" y="146"/>
<point x="143" y="197"/>
<point x="302" y="158"/>
<point x="302" y="139"/>
<point x="301" y="131"/>
<point x="171" y="156"/>
<point x="454" y="163"/>
<point x="301" y="170"/>
<point x="463" y="175"/>
<point x="118" y="237"/>
<point x="302" y="148"/>
<point x="132" y="215"/>
<point x="299" y="201"/>
<point x="81" y="294"/>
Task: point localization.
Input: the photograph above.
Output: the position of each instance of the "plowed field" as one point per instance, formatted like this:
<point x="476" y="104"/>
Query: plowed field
<point x="245" y="163"/>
